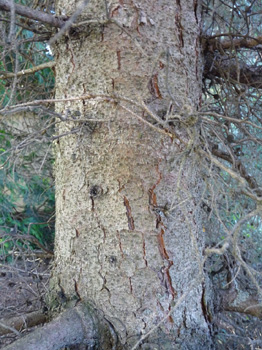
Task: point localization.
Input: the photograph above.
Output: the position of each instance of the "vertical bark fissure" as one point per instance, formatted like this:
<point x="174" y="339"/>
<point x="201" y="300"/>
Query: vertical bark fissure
<point x="130" y="218"/>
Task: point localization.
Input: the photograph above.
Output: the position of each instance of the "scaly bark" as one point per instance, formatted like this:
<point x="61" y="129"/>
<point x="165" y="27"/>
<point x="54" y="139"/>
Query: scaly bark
<point x="129" y="229"/>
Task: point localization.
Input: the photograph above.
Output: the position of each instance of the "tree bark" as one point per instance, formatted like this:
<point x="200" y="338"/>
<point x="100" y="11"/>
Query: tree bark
<point x="129" y="229"/>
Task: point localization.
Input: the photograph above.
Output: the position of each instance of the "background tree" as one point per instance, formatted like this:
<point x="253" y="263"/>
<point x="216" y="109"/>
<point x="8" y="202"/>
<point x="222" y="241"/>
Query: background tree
<point x="156" y="185"/>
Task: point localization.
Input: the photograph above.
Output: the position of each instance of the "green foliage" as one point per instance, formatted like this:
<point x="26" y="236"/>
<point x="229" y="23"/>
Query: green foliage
<point x="26" y="184"/>
<point x="26" y="199"/>
<point x="28" y="54"/>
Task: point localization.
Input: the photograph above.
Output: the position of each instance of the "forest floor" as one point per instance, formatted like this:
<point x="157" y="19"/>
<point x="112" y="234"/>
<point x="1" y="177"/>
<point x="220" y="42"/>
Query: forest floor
<point x="24" y="283"/>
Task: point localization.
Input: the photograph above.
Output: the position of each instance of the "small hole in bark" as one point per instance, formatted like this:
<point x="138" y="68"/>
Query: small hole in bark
<point x="112" y="260"/>
<point x="95" y="191"/>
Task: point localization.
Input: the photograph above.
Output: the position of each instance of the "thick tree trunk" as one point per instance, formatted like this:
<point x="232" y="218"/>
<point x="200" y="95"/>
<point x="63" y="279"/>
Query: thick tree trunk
<point x="129" y="229"/>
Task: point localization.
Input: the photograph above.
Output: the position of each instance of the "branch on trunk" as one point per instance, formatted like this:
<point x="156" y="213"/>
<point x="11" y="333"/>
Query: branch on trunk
<point x="32" y="70"/>
<point x="227" y="68"/>
<point x="18" y="323"/>
<point x="212" y="44"/>
<point x="237" y="301"/>
<point x="253" y="185"/>
<point x="37" y="15"/>
<point x="81" y="324"/>
<point x="250" y="306"/>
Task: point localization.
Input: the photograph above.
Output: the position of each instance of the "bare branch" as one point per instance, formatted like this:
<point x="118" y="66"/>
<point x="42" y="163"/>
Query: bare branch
<point x="69" y="22"/>
<point x="212" y="43"/>
<point x="162" y="131"/>
<point x="29" y="238"/>
<point x="232" y="173"/>
<point x="32" y="70"/>
<point x="18" y="323"/>
<point x="41" y="16"/>
<point x="240" y="167"/>
<point x="226" y="67"/>
<point x="249" y="305"/>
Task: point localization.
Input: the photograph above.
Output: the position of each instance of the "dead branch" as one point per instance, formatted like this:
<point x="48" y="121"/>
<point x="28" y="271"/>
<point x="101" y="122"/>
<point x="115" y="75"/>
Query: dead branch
<point x="249" y="305"/>
<point x="28" y="238"/>
<point x="213" y="43"/>
<point x="37" y="15"/>
<point x="241" y="169"/>
<point x="32" y="70"/>
<point x="22" y="322"/>
<point x="226" y="67"/>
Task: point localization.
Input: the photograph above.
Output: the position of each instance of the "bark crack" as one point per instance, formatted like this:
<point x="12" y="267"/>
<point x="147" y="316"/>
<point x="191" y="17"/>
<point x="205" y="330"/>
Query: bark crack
<point x="166" y="279"/>
<point x="130" y="218"/>
<point x="144" y="250"/>
<point x="179" y="24"/>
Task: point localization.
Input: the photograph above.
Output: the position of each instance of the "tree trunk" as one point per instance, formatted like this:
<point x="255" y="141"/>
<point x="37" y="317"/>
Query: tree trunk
<point x="129" y="229"/>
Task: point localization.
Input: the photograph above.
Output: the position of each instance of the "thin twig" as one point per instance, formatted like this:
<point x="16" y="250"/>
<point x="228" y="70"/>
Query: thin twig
<point x="31" y="70"/>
